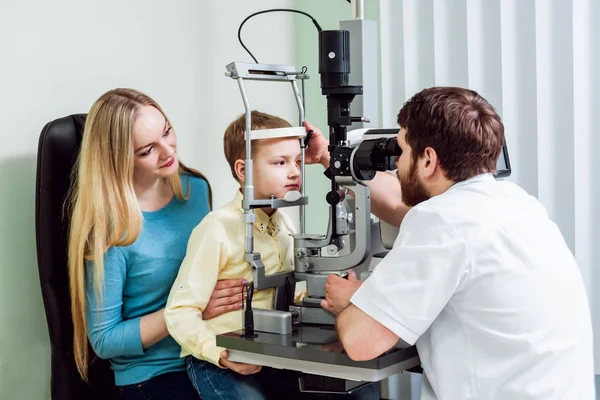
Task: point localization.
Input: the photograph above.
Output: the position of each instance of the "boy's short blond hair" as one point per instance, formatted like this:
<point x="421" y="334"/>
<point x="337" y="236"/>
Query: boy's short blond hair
<point x="234" y="141"/>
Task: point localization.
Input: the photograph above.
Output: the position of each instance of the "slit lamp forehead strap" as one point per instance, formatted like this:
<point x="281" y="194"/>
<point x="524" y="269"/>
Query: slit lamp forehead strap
<point x="296" y="131"/>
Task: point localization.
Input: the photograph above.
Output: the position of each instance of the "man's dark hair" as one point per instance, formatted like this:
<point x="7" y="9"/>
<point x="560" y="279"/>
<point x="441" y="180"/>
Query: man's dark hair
<point x="460" y="125"/>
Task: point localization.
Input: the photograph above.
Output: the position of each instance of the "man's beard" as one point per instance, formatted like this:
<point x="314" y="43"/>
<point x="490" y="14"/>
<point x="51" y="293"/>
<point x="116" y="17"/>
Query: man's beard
<point x="413" y="190"/>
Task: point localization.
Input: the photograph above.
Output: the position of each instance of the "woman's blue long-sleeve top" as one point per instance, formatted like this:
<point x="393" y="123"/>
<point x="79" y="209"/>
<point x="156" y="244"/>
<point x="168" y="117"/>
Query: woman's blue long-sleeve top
<point x="137" y="282"/>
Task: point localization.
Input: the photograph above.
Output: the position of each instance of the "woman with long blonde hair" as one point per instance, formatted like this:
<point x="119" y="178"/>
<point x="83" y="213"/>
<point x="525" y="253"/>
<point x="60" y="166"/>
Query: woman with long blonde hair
<point x="133" y="206"/>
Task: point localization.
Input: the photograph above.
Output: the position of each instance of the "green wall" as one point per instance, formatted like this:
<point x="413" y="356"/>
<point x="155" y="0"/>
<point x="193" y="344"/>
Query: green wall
<point x="328" y="14"/>
<point x="24" y="347"/>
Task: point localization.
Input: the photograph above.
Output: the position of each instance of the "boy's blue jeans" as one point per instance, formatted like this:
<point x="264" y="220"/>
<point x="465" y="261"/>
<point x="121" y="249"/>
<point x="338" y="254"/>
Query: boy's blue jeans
<point x="214" y="383"/>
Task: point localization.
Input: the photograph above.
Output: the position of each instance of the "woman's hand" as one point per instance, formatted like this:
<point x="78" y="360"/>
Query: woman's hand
<point x="226" y="296"/>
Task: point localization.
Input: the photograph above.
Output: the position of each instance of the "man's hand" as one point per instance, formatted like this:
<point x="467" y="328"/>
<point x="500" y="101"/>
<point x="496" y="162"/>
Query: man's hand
<point x="226" y="296"/>
<point x="240" y="368"/>
<point x="338" y="292"/>
<point x="335" y="347"/>
<point x="316" y="152"/>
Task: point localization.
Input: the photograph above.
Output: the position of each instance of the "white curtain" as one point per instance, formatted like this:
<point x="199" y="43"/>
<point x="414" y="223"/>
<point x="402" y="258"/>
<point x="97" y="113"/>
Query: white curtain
<point x="536" y="62"/>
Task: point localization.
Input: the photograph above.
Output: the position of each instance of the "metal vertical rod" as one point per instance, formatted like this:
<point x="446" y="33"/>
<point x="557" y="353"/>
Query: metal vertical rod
<point x="248" y="183"/>
<point x="358" y="9"/>
<point x="303" y="100"/>
<point x="299" y="102"/>
<point x="302" y="215"/>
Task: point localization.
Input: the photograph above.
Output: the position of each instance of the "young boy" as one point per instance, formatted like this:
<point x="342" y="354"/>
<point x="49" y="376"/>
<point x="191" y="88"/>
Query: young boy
<point x="216" y="251"/>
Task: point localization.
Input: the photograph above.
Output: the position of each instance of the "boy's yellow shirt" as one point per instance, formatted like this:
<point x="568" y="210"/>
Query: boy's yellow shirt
<point x="216" y="251"/>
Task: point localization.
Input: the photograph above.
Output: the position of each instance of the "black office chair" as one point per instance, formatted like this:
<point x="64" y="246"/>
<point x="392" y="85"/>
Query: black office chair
<point x="57" y="151"/>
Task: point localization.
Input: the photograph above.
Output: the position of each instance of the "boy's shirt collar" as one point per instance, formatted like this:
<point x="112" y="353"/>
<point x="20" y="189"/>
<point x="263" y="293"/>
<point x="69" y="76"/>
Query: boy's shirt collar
<point x="263" y="221"/>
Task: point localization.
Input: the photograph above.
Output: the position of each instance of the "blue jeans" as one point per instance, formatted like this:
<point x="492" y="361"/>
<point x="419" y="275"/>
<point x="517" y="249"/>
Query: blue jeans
<point x="169" y="386"/>
<point x="214" y="383"/>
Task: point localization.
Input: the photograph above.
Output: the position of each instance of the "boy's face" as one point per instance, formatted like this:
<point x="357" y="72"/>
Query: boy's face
<point x="276" y="167"/>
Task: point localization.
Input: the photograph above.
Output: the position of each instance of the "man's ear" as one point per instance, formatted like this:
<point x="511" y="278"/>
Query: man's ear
<point x="240" y="170"/>
<point x="430" y="161"/>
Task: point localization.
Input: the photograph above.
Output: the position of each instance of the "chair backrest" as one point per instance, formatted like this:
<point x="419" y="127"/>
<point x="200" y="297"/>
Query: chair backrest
<point x="57" y="151"/>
